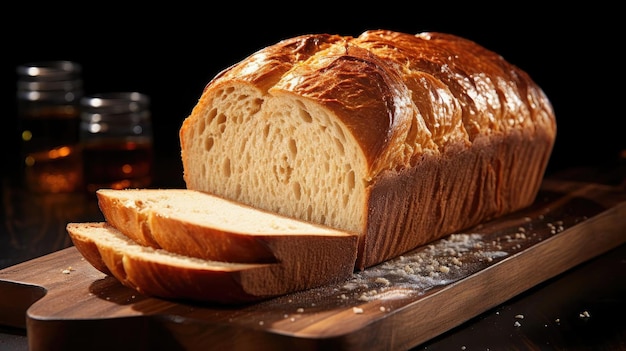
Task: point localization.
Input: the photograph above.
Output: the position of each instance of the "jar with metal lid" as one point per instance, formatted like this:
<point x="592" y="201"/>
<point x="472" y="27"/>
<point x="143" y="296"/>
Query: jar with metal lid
<point x="48" y="95"/>
<point x="116" y="138"/>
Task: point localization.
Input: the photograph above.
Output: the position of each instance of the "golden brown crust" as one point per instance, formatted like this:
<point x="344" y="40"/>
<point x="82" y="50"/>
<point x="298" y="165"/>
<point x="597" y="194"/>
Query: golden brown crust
<point x="264" y="68"/>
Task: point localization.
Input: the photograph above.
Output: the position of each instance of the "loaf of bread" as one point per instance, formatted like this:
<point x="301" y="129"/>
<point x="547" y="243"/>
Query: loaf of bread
<point x="160" y="273"/>
<point x="399" y="138"/>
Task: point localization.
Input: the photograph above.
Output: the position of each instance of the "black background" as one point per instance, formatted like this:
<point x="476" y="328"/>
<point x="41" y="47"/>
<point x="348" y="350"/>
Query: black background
<point x="171" y="51"/>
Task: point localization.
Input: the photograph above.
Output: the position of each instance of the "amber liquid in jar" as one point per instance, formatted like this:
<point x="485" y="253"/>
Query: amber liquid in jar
<point x="49" y="116"/>
<point x="116" y="139"/>
<point x="117" y="165"/>
<point x="50" y="151"/>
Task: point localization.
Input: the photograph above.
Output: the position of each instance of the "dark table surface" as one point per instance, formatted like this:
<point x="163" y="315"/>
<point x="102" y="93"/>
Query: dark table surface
<point x="582" y="309"/>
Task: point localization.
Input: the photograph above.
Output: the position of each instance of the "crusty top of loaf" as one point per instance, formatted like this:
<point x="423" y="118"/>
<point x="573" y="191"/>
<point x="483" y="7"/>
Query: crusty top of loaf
<point x="402" y="95"/>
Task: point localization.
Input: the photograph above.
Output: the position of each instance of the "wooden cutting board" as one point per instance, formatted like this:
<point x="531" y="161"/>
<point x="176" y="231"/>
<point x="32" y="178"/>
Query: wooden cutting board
<point x="65" y="304"/>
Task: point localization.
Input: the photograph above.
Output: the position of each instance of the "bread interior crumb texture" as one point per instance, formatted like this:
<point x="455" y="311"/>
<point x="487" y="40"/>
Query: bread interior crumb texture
<point x="282" y="160"/>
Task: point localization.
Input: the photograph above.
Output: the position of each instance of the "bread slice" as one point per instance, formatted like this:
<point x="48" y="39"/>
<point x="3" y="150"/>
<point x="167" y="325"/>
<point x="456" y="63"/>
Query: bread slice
<point x="205" y="226"/>
<point x="400" y="138"/>
<point x="160" y="273"/>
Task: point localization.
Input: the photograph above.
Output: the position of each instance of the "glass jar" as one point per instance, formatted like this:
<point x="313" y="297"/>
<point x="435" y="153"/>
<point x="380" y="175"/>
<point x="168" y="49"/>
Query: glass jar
<point x="116" y="138"/>
<point x="48" y="95"/>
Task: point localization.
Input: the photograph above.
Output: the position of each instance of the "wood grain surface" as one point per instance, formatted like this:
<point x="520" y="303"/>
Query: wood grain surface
<point x="66" y="304"/>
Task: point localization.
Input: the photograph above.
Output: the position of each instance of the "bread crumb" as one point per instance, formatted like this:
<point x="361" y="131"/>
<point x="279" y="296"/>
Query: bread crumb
<point x="67" y="270"/>
<point x="519" y="316"/>
<point x="517" y="324"/>
<point x="382" y="280"/>
<point x="300" y="310"/>
<point x="584" y="314"/>
<point x="357" y="310"/>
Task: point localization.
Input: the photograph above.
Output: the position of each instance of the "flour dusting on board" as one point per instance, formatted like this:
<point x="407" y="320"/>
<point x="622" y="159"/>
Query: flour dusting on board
<point x="438" y="264"/>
